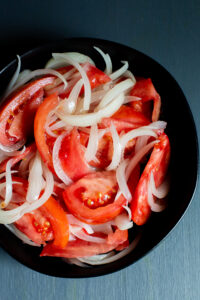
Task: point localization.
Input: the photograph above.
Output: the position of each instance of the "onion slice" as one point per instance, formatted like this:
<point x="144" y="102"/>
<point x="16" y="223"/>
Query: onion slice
<point x="116" y="148"/>
<point x="120" y="72"/>
<point x="92" y="118"/>
<point x="107" y="60"/>
<point x="121" y="180"/>
<point x="56" y="160"/>
<point x="114" y="92"/>
<point x="90" y="153"/>
<point x="155" y="206"/>
<point x="14" y="78"/>
<point x="86" y="82"/>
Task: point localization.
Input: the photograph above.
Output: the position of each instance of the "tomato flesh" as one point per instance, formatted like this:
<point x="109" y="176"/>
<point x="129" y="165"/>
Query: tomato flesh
<point x="158" y="165"/>
<point x="14" y="111"/>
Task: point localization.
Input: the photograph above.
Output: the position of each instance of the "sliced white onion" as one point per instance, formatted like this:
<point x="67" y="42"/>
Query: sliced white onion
<point x="129" y="99"/>
<point x="120" y="72"/>
<point x="122" y="222"/>
<point x="79" y="233"/>
<point x="58" y="81"/>
<point x="137" y="158"/>
<point x="75" y="261"/>
<point x="132" y="134"/>
<point x="90" y="153"/>
<point x="105" y="228"/>
<point x="158" y="125"/>
<point x="56" y="161"/>
<point x="21" y="235"/>
<point x="10" y="216"/>
<point x="23" y="167"/>
<point x="14" y="78"/>
<point x="107" y="60"/>
<point x="68" y="105"/>
<point x="8" y="195"/>
<point x="114" y="92"/>
<point x="161" y="191"/>
<point x="92" y="118"/>
<point x="127" y="208"/>
<point x="155" y="206"/>
<point x="74" y="221"/>
<point x="57" y="62"/>
<point x="141" y="142"/>
<point x="21" y="77"/>
<point x="116" y="148"/>
<point x="12" y="148"/>
<point x="112" y="258"/>
<point x="39" y="72"/>
<point x="130" y="75"/>
<point x="86" y="82"/>
<point x="121" y="180"/>
<point x="50" y="119"/>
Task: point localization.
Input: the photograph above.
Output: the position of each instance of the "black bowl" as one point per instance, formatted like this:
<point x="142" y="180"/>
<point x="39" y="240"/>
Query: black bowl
<point x="183" y="166"/>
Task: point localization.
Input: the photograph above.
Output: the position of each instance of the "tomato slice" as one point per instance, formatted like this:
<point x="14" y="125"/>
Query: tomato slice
<point x="126" y="118"/>
<point x="81" y="248"/>
<point x="17" y="158"/>
<point x="158" y="164"/>
<point x="145" y="90"/>
<point x="46" y="106"/>
<point x="47" y="223"/>
<point x="18" y="111"/>
<point x="91" y="198"/>
<point x="71" y="156"/>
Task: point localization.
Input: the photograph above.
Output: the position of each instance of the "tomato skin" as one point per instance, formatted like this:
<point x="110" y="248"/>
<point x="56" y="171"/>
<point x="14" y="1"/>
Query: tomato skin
<point x="16" y="159"/>
<point x="47" y="105"/>
<point x="27" y="99"/>
<point x="158" y="164"/>
<point x="71" y="156"/>
<point x="58" y="219"/>
<point x="47" y="223"/>
<point x="81" y="248"/>
<point x="145" y="90"/>
<point x="93" y="184"/>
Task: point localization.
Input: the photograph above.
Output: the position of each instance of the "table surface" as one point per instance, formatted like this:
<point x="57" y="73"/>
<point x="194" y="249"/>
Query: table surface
<point x="169" y="32"/>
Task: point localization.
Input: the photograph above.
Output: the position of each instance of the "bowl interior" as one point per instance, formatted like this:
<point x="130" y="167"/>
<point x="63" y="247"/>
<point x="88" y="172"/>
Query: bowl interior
<point x="183" y="166"/>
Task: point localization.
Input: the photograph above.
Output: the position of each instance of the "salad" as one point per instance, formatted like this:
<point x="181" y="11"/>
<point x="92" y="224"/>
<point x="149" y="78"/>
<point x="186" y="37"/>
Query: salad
<point x="83" y="157"/>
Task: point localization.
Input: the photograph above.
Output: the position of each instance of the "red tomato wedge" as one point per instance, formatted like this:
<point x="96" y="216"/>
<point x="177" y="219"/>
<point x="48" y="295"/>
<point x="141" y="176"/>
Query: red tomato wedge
<point x="18" y="108"/>
<point x="158" y="164"/>
<point x="72" y="158"/>
<point x="145" y="90"/>
<point x="81" y="248"/>
<point x="96" y="77"/>
<point x="49" y="222"/>
<point x="48" y="105"/>
<point x="91" y="198"/>
<point x="17" y="158"/>
<point x="126" y="118"/>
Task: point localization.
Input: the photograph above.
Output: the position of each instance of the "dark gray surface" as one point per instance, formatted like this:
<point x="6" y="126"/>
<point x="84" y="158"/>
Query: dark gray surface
<point x="169" y="32"/>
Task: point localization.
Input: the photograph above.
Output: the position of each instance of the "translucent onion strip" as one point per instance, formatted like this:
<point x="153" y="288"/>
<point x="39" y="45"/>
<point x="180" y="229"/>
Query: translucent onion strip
<point x="79" y="233"/>
<point x="155" y="206"/>
<point x="14" y="78"/>
<point x="12" y="148"/>
<point x="114" y="92"/>
<point x="121" y="180"/>
<point x="92" y="118"/>
<point x="39" y="72"/>
<point x="120" y="72"/>
<point x="10" y="216"/>
<point x="9" y="189"/>
<point x="35" y="179"/>
<point x="116" y="148"/>
<point x="130" y="75"/>
<point x="107" y="60"/>
<point x="86" y="82"/>
<point x="114" y="257"/>
<point x="69" y="104"/>
<point x="122" y="222"/>
<point x="56" y="161"/>
<point x="57" y="62"/>
<point x="74" y="221"/>
<point x="92" y="147"/>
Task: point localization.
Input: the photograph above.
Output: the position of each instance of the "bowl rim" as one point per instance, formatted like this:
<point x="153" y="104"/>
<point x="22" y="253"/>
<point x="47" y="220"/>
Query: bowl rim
<point x="61" y="42"/>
